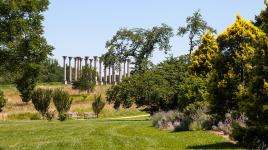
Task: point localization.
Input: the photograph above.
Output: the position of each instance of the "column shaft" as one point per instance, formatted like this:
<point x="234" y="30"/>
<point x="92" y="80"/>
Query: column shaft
<point x="64" y="67"/>
<point x="70" y="69"/>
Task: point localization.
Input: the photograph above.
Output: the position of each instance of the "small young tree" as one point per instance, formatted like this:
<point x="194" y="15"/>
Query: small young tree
<point x="27" y="82"/>
<point x="87" y="81"/>
<point x="62" y="101"/>
<point x="41" y="99"/>
<point x="2" y="101"/>
<point x="98" y="105"/>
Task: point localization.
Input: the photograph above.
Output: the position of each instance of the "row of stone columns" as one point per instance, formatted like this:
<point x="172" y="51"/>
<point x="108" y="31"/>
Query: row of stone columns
<point x="110" y="79"/>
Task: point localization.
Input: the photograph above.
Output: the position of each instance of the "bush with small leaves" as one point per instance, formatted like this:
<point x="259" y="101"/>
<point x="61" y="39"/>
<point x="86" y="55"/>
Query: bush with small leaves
<point x="41" y="100"/>
<point x="98" y="105"/>
<point x="253" y="137"/>
<point x="2" y="101"/>
<point x="62" y="101"/>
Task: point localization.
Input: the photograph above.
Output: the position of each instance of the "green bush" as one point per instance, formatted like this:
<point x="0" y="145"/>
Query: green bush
<point x="197" y="112"/>
<point x="203" y="122"/>
<point x="98" y="105"/>
<point x="62" y="101"/>
<point x="27" y="82"/>
<point x="255" y="137"/>
<point x="87" y="80"/>
<point x="2" y="101"/>
<point x="41" y="100"/>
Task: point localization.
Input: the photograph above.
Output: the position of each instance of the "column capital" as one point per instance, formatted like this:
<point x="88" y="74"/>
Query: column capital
<point x="64" y="57"/>
<point x="95" y="57"/>
<point x="70" y="58"/>
<point x="86" y="57"/>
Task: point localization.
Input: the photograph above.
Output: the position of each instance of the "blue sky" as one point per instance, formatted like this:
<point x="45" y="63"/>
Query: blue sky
<point x="82" y="27"/>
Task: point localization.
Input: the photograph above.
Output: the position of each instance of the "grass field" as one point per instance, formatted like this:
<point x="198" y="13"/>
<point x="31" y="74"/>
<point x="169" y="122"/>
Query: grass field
<point x="15" y="109"/>
<point x="102" y="134"/>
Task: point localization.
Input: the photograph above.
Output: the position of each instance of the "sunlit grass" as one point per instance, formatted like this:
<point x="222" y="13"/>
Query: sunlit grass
<point x="102" y="134"/>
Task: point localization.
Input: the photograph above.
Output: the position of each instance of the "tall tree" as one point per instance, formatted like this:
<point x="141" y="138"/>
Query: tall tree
<point x="233" y="66"/>
<point x="195" y="28"/>
<point x="137" y="44"/>
<point x="261" y="20"/>
<point x="22" y="45"/>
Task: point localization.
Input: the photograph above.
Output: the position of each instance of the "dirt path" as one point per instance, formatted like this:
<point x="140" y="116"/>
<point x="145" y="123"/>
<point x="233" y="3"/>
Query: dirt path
<point x="128" y="117"/>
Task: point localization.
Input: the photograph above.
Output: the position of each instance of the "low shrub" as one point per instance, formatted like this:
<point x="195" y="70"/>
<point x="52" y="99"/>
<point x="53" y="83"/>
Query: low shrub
<point x="62" y="101"/>
<point x="171" y="120"/>
<point x="98" y="105"/>
<point x="194" y="117"/>
<point x="41" y="100"/>
<point x="254" y="137"/>
<point x="2" y="101"/>
<point x="230" y="120"/>
<point x="203" y="122"/>
<point x="24" y="116"/>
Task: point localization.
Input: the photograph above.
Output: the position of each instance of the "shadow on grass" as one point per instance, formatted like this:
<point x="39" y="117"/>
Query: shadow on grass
<point x="223" y="145"/>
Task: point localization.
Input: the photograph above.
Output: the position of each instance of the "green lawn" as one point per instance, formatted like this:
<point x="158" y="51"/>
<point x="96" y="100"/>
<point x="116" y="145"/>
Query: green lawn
<point x="102" y="134"/>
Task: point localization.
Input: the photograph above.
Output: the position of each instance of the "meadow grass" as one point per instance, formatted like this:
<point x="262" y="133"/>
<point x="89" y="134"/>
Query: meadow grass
<point x="102" y="134"/>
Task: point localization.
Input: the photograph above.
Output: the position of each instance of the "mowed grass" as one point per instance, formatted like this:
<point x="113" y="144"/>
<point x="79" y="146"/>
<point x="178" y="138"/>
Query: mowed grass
<point x="102" y="134"/>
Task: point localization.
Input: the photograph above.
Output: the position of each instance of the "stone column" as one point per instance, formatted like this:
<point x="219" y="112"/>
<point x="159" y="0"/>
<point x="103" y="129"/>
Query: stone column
<point x="80" y="66"/>
<point x="70" y="69"/>
<point x="109" y="75"/>
<point x="128" y="71"/>
<point x="64" y="66"/>
<point x="120" y="73"/>
<point x="86" y="61"/>
<point x="75" y="68"/>
<point x="105" y="76"/>
<point x="100" y="77"/>
<point x="95" y="67"/>
<point x="113" y="74"/>
<point x="90" y="63"/>
<point x="124" y="71"/>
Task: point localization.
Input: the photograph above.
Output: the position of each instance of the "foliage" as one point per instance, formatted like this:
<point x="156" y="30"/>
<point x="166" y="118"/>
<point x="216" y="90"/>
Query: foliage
<point x="23" y="48"/>
<point x="196" y="27"/>
<point x="182" y="121"/>
<point x="233" y="66"/>
<point x="2" y="101"/>
<point x="51" y="71"/>
<point x="254" y="137"/>
<point x="98" y="105"/>
<point x="202" y="58"/>
<point x="192" y="89"/>
<point x="153" y="90"/>
<point x="171" y="120"/>
<point x="87" y="80"/>
<point x="231" y="120"/>
<point x="27" y="82"/>
<point x="138" y="44"/>
<point x="261" y="20"/>
<point x="41" y="100"/>
<point x="62" y="101"/>
<point x="24" y="116"/>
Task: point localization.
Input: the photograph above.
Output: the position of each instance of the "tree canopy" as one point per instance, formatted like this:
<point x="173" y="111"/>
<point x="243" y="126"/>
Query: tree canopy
<point x="22" y="45"/>
<point x="137" y="44"/>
